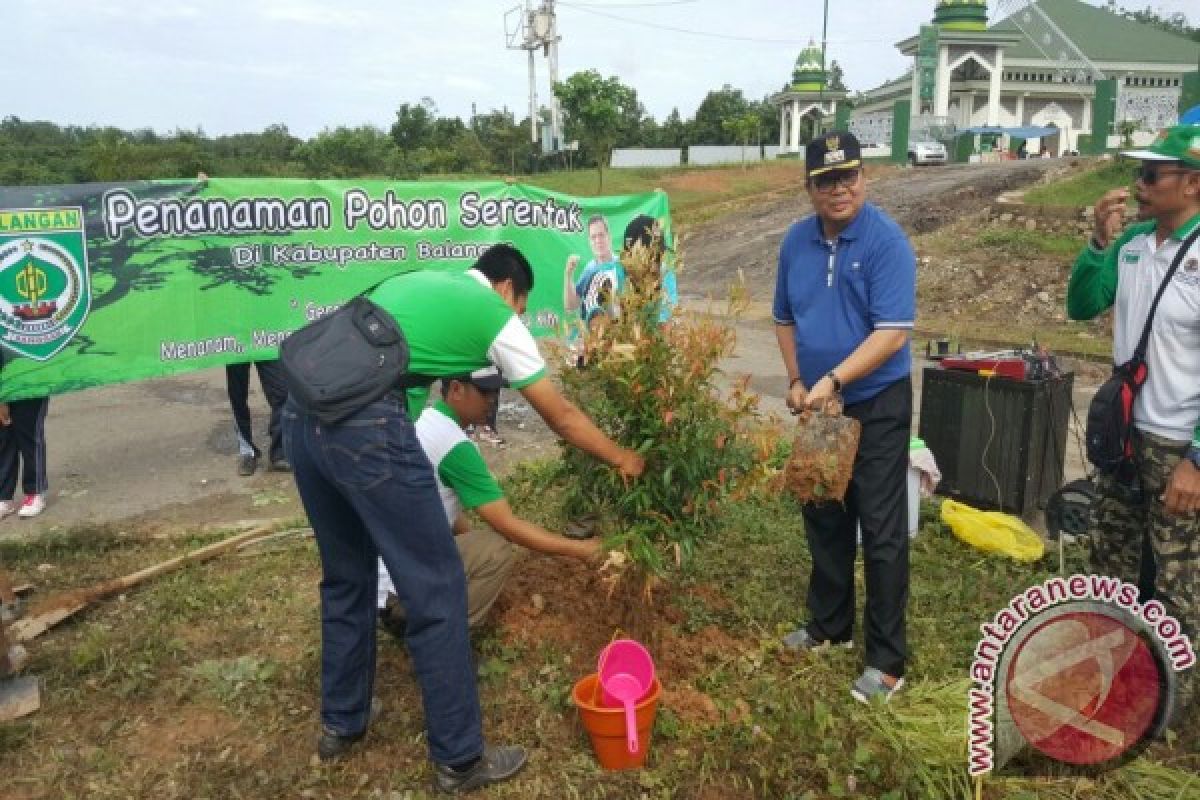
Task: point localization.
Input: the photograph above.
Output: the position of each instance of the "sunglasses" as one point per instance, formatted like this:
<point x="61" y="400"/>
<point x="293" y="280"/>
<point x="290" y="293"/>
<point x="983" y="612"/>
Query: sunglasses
<point x="1149" y="174"/>
<point x="828" y="181"/>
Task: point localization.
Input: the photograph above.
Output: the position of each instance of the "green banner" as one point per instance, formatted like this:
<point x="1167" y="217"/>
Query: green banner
<point x="104" y="283"/>
<point x="927" y="58"/>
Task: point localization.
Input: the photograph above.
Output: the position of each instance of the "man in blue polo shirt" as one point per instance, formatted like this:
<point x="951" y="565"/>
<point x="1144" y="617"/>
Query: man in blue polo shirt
<point x="845" y="299"/>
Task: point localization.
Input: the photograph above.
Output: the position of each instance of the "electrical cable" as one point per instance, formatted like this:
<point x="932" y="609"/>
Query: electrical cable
<point x="987" y="382"/>
<point x="1052" y="427"/>
<point x="631" y="5"/>
<point x="641" y="23"/>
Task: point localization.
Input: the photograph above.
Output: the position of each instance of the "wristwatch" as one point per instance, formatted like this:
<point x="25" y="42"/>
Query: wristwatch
<point x="835" y="380"/>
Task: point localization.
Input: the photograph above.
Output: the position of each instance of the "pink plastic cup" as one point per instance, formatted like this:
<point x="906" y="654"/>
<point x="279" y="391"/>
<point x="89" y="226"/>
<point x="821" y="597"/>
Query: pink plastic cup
<point x="626" y="676"/>
<point x="625" y="656"/>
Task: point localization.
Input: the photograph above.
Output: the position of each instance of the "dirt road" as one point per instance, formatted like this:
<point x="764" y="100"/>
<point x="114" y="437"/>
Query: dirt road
<point x="921" y="200"/>
<point x="161" y="454"/>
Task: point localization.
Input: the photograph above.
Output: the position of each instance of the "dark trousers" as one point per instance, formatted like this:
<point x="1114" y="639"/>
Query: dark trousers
<point x="23" y="443"/>
<point x="878" y="501"/>
<point x="369" y="491"/>
<point x="237" y="381"/>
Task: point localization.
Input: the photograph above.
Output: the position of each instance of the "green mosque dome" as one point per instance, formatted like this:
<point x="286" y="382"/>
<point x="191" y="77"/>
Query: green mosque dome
<point x="961" y="15"/>
<point x="809" y="76"/>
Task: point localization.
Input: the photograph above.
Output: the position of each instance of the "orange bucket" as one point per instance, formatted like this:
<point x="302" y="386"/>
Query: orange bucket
<point x="606" y="726"/>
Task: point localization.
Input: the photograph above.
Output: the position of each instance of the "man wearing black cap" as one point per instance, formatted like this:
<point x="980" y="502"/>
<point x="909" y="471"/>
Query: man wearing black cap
<point x="466" y="484"/>
<point x="845" y="299"/>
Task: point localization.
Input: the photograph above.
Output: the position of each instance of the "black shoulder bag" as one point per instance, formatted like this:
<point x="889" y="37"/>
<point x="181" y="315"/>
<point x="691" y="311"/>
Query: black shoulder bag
<point x="346" y="360"/>
<point x="1110" y="416"/>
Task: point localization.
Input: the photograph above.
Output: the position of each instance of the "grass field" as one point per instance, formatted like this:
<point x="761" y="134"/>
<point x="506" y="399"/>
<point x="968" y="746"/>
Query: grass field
<point x="1085" y="189"/>
<point x="203" y="684"/>
<point x="695" y="192"/>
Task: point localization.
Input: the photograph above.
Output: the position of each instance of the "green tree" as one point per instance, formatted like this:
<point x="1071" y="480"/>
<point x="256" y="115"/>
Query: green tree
<point x="597" y="111"/>
<point x="743" y="128"/>
<point x="506" y="142"/>
<point x="708" y="126"/>
<point x="1176" y="22"/>
<point x="112" y="157"/>
<point x="674" y="130"/>
<point x="1126" y="128"/>
<point x="768" y="120"/>
<point x="349" y="153"/>
<point x="657" y="388"/>
<point x="414" y="124"/>
<point x="836" y="79"/>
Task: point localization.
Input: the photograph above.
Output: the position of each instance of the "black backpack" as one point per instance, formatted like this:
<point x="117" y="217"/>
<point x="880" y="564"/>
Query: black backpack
<point x="346" y="360"/>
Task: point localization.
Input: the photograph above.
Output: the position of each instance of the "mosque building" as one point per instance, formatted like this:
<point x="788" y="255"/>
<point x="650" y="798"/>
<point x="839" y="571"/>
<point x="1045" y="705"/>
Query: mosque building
<point x="1057" y="68"/>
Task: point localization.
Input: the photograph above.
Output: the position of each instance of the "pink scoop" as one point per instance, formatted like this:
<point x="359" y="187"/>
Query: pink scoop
<point x="627" y="690"/>
<point x="626" y="676"/>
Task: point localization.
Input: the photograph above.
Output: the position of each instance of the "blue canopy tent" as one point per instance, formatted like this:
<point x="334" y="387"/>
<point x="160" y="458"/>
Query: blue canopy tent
<point x="1025" y="132"/>
<point x="991" y="135"/>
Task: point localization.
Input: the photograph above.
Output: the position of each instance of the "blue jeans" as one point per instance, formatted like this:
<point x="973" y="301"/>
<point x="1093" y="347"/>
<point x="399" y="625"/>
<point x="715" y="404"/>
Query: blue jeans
<point x="369" y="489"/>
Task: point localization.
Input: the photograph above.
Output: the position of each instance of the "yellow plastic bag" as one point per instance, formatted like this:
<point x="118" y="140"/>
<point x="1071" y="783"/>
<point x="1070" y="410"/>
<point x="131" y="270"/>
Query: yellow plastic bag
<point x="993" y="532"/>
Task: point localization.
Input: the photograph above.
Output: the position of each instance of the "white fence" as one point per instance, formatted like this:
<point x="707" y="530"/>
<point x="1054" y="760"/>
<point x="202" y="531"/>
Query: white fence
<point x="706" y="154"/>
<point x="697" y="155"/>
<point x="646" y="157"/>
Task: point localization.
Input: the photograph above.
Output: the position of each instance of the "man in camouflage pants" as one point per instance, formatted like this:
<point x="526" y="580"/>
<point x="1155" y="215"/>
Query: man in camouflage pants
<point x="1125" y="269"/>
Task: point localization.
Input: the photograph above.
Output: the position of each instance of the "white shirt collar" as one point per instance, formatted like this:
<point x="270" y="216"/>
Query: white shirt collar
<point x="479" y="276"/>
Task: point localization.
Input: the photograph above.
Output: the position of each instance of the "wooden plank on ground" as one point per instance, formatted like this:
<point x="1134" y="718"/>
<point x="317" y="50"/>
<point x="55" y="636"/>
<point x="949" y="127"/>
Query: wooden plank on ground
<point x="63" y="606"/>
<point x="7" y="595"/>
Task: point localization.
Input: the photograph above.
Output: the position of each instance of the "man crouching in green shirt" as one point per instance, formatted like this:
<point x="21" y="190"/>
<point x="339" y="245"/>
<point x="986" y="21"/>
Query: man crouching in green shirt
<point x="466" y="484"/>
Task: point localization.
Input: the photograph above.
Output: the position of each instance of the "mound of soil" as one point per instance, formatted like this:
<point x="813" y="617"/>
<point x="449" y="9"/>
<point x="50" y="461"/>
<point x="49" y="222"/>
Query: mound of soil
<point x="552" y="603"/>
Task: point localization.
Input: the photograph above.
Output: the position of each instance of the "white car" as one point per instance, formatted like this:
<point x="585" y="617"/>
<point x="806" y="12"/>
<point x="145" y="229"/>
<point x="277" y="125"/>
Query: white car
<point x="926" y="153"/>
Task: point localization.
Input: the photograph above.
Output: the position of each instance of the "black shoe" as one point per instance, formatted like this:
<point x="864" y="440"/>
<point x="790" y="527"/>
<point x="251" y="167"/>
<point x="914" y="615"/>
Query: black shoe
<point x="247" y="465"/>
<point x="280" y="464"/>
<point x="497" y="764"/>
<point x="332" y="745"/>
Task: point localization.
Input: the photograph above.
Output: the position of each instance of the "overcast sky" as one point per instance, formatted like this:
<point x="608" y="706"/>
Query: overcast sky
<point x="229" y="66"/>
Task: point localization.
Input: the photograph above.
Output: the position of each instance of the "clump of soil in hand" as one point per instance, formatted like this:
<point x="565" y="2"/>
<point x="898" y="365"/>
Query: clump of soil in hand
<point x="822" y="457"/>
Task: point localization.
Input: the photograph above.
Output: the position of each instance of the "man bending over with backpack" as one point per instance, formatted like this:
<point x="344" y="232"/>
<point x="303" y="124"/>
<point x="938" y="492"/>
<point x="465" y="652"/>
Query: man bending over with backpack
<point x="1126" y="270"/>
<point x="369" y="491"/>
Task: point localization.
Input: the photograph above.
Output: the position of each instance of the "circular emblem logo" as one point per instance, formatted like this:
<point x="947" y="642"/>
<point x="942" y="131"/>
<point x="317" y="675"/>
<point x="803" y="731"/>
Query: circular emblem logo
<point x="1084" y="686"/>
<point x="43" y="294"/>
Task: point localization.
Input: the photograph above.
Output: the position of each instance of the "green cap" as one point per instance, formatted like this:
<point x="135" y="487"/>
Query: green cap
<point x="916" y="444"/>
<point x="1180" y="143"/>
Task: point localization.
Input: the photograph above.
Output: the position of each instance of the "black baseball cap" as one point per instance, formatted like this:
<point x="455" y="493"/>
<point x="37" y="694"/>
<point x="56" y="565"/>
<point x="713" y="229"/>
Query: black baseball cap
<point x="832" y="151"/>
<point x="489" y="379"/>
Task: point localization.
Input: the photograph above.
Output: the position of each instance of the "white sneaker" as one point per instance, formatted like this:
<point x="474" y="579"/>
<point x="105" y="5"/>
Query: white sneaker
<point x="32" y="505"/>
<point x="7" y="508"/>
